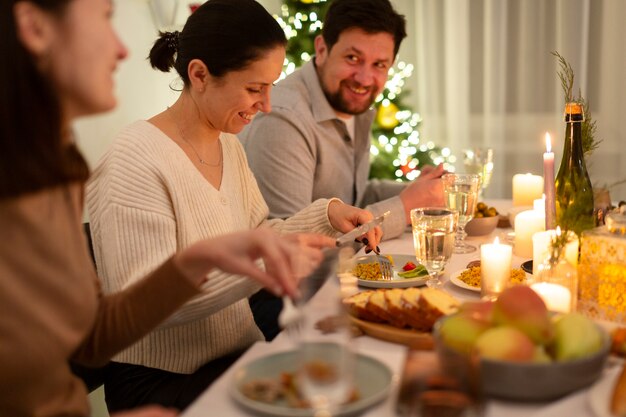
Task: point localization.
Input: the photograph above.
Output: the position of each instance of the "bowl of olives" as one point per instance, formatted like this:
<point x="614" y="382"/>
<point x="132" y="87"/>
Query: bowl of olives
<point x="484" y="221"/>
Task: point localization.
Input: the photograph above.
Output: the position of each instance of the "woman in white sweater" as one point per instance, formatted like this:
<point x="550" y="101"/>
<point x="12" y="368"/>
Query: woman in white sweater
<point x="182" y="176"/>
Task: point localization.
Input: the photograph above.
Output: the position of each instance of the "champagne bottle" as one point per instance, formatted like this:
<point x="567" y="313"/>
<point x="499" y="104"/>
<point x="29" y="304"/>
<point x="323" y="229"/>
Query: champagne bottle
<point x="574" y="196"/>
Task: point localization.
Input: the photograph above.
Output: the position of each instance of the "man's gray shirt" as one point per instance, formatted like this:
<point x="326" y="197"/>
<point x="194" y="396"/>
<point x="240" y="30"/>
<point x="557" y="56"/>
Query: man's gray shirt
<point x="301" y="151"/>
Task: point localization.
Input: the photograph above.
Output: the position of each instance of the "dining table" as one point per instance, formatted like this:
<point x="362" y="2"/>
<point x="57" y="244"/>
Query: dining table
<point x="218" y="401"/>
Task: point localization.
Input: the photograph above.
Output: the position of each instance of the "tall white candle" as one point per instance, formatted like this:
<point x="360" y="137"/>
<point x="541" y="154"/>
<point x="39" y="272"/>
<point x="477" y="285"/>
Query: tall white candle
<point x="526" y="189"/>
<point x="527" y="223"/>
<point x="557" y="297"/>
<point x="540" y="204"/>
<point x="495" y="268"/>
<point x="548" y="184"/>
<point x="541" y="246"/>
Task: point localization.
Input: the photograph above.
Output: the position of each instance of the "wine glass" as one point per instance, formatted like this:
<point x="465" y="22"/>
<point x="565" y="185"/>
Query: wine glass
<point x="461" y="194"/>
<point x="479" y="161"/>
<point x="326" y="361"/>
<point x="433" y="239"/>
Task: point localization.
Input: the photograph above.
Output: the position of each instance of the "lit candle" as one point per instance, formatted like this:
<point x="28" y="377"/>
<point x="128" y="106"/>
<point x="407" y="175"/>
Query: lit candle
<point x="541" y="246"/>
<point x="495" y="268"/>
<point x="526" y="189"/>
<point x="548" y="181"/>
<point x="527" y="223"/>
<point x="557" y="297"/>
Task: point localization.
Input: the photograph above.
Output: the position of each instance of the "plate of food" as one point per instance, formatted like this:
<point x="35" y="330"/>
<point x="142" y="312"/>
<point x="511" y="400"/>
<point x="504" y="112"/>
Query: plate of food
<point x="469" y="278"/>
<point x="269" y="385"/>
<point x="407" y="272"/>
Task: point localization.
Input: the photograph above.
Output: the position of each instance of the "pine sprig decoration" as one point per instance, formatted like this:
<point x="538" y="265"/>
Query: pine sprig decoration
<point x="557" y="245"/>
<point x="566" y="75"/>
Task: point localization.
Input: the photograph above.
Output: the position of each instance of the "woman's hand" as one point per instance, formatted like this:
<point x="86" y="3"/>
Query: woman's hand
<point x="287" y="258"/>
<point x="345" y="218"/>
<point x="148" y="411"/>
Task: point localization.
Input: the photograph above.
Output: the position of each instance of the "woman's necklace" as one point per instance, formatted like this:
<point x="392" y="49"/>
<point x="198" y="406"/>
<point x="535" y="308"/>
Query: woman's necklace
<point x="200" y="159"/>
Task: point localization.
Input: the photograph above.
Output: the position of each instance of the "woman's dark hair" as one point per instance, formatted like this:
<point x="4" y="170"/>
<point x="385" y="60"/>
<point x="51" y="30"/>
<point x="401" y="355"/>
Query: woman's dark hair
<point x="226" y="35"/>
<point x="371" y="16"/>
<point x="34" y="152"/>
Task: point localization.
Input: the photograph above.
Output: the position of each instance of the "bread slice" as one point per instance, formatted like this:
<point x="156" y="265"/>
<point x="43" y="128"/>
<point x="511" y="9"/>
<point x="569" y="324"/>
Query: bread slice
<point x="357" y="306"/>
<point x="412" y="310"/>
<point x="377" y="304"/>
<point x="435" y="303"/>
<point x="395" y="307"/>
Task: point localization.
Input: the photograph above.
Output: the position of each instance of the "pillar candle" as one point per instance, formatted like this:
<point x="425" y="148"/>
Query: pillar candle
<point x="541" y="245"/>
<point x="527" y="223"/>
<point x="540" y="204"/>
<point x="557" y="297"/>
<point x="548" y="184"/>
<point x="495" y="268"/>
<point x="526" y="189"/>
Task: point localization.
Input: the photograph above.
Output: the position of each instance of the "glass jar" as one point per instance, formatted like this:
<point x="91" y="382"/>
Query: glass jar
<point x="556" y="282"/>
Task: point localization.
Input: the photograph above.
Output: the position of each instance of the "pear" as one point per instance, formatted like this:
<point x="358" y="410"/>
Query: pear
<point x="576" y="336"/>
<point x="505" y="343"/>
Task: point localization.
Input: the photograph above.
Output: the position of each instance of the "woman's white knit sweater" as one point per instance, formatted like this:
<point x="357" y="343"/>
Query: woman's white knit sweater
<point x="147" y="200"/>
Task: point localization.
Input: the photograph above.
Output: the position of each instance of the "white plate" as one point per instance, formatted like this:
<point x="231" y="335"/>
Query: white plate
<point x="600" y="393"/>
<point x="457" y="281"/>
<point x="397" y="282"/>
<point x="373" y="381"/>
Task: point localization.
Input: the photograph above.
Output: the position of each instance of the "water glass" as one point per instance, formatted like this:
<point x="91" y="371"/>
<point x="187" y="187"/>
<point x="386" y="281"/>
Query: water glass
<point x="433" y="239"/>
<point x="479" y="161"/>
<point x="440" y="384"/>
<point x="461" y="194"/>
<point x="326" y="361"/>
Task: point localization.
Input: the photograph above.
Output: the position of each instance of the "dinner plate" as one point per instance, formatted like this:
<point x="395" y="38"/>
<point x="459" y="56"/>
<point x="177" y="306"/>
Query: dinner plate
<point x="372" y="378"/>
<point x="457" y="281"/>
<point x="397" y="282"/>
<point x="600" y="393"/>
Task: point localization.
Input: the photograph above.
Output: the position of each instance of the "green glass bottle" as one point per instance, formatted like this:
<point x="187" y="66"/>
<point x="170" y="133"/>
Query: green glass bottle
<point x="574" y="196"/>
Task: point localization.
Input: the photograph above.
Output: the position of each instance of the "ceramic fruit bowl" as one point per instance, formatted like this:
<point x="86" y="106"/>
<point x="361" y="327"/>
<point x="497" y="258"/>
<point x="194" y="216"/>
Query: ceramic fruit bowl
<point x="480" y="226"/>
<point x="531" y="381"/>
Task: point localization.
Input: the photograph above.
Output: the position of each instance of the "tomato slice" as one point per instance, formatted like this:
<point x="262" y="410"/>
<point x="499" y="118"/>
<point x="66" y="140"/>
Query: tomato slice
<point x="409" y="266"/>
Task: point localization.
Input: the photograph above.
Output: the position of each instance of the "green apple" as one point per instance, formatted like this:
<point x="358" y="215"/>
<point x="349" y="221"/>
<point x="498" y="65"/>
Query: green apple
<point x="576" y="336"/>
<point x="460" y="332"/>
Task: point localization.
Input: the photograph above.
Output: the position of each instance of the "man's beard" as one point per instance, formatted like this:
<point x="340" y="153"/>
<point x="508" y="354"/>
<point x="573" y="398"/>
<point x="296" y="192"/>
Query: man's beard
<point x="337" y="102"/>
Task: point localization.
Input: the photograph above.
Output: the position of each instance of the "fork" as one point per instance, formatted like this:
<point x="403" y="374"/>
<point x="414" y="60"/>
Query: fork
<point x="291" y="318"/>
<point x="386" y="270"/>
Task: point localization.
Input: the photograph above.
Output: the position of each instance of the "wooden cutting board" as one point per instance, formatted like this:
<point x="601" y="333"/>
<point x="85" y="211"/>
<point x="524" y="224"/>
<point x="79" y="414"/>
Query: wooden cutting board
<point x="412" y="338"/>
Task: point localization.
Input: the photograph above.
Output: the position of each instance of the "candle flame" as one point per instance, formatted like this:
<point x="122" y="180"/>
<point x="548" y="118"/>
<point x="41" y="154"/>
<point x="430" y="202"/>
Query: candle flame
<point x="558" y="230"/>
<point x="548" y="143"/>
<point x="496" y="241"/>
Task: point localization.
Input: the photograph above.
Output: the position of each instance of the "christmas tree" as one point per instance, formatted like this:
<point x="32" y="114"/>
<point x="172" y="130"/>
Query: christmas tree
<point x="397" y="150"/>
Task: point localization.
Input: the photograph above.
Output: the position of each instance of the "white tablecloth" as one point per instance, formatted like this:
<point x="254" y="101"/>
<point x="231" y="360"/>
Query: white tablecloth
<point x="216" y="400"/>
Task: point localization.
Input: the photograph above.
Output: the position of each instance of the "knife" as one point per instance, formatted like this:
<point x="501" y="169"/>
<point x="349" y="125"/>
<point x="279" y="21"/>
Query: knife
<point x="361" y="230"/>
<point x="314" y="281"/>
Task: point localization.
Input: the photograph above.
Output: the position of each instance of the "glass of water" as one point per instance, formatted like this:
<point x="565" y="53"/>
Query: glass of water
<point x="326" y="360"/>
<point x="433" y="238"/>
<point x="479" y="161"/>
<point x="461" y="194"/>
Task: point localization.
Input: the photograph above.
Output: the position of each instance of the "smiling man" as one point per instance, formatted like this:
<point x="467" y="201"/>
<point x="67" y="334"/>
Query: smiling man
<point x="316" y="140"/>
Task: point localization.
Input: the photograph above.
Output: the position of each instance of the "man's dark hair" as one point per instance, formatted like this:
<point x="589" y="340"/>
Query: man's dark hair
<point x="371" y="16"/>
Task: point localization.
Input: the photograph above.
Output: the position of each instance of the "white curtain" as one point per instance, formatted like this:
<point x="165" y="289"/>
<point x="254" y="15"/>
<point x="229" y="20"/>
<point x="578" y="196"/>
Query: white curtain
<point x="485" y="76"/>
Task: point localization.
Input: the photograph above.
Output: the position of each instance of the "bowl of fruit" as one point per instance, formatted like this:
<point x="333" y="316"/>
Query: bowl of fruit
<point x="484" y="221"/>
<point x="526" y="353"/>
